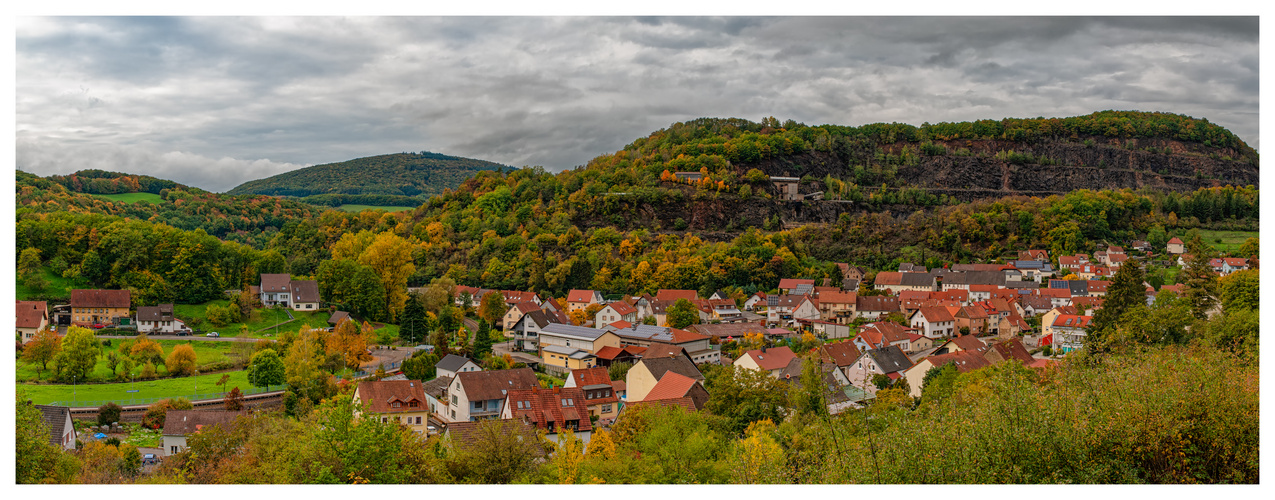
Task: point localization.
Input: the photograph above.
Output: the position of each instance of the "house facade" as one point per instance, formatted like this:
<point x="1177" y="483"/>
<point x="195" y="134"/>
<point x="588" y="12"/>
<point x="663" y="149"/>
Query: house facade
<point x="61" y="429"/>
<point x="158" y="319"/>
<point x="481" y="395"/>
<point x="32" y="316"/>
<point x="89" y="307"/>
<point x="399" y="401"/>
<point x="281" y="290"/>
<point x="179" y="424"/>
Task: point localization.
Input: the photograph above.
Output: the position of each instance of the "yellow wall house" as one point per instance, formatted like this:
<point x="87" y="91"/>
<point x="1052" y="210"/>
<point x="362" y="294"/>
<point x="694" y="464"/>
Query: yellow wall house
<point x="573" y="347"/>
<point x="401" y="401"/>
<point x="99" y="306"/>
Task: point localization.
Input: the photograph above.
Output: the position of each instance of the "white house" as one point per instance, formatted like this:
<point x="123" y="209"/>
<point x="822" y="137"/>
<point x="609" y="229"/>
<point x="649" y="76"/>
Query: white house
<point x="452" y="364"/>
<point x="615" y="311"/>
<point x="890" y="361"/>
<point x="61" y="429"/>
<point x="481" y="395"/>
<point x="933" y="322"/>
<point x="158" y="319"/>
<point x="179" y="424"/>
<point x="785" y="310"/>
<point x="1070" y="331"/>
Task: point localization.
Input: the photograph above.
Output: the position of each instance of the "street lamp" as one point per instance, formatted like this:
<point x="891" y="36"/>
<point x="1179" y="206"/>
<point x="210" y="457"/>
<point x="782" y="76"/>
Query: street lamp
<point x="73" y="389"/>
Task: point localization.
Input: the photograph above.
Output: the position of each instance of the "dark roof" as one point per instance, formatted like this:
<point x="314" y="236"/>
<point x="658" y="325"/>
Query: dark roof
<point x="55" y="418"/>
<point x="31" y="312"/>
<point x="680" y="365"/>
<point x="891" y="359"/>
<point x="876" y="303"/>
<point x="162" y="312"/>
<point x="275" y="282"/>
<point x="540" y="317"/>
<point x="723" y="330"/>
<point x="379" y="395"/>
<point x="581" y="332"/>
<point x="841" y="354"/>
<point x="495" y="384"/>
<point x="1012" y="349"/>
<point x="186" y="422"/>
<point x="305" y="291"/>
<point x="969" y="343"/>
<point x="337" y="317"/>
<point x="100" y="298"/>
<point x="975" y="278"/>
<point x="437" y="387"/>
<point x="451" y="362"/>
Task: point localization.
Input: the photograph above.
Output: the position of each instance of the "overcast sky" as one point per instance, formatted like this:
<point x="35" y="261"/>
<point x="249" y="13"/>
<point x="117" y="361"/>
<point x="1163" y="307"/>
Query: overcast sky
<point x="214" y="102"/>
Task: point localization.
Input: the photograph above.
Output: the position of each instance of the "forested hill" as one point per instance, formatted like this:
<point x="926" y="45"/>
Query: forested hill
<point x="420" y="175"/>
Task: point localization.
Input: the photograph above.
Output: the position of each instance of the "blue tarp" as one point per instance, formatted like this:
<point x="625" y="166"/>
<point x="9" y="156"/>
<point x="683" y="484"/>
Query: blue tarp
<point x="100" y="436"/>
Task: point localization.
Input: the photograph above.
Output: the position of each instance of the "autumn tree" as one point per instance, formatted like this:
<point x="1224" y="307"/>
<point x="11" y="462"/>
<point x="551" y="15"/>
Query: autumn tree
<point x="745" y="396"/>
<point x="386" y="254"/>
<point x="420" y="366"/>
<point x="234" y="400"/>
<point x="492" y="308"/>
<point x="42" y="462"/>
<point x="1201" y="281"/>
<point x="29" y="269"/>
<point x="758" y="458"/>
<point x="42" y="349"/>
<point x="1240" y="290"/>
<point x="181" y="361"/>
<point x="145" y="350"/>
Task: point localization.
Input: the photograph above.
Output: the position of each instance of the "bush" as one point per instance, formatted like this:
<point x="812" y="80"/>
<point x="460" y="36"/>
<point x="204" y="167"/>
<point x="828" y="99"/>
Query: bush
<point x="679" y="224"/>
<point x="1047" y="350"/>
<point x="109" y="413"/>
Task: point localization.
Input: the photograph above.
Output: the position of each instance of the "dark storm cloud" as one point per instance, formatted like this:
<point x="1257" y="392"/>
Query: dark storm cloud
<point x="217" y="101"/>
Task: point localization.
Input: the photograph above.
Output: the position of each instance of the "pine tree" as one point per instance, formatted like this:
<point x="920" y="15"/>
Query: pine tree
<point x="1201" y="282"/>
<point x="1126" y="292"/>
<point x="482" y="341"/>
<point x="411" y="326"/>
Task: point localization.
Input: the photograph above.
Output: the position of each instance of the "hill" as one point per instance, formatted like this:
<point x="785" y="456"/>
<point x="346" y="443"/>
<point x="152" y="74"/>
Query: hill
<point x="420" y="175"/>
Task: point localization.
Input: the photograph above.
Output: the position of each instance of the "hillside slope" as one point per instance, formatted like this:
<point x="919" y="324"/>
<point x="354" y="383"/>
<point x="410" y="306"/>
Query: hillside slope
<point x="421" y="175"/>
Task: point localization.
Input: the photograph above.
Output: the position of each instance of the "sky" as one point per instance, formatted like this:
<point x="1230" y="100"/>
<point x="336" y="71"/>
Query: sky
<point x="216" y="101"/>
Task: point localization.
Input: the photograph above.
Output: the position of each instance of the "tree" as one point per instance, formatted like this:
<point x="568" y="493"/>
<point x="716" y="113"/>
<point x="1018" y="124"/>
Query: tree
<point x="499" y="452"/>
<point x="938" y="383"/>
<point x="808" y="397"/>
<point x="682" y="314"/>
<point x="234" y="400"/>
<point x="421" y="366"/>
<point x="411" y="325"/>
<point x="79" y="353"/>
<point x="1157" y="238"/>
<point x="266" y="368"/>
<point x="302" y="367"/>
<point x="758" y="458"/>
<point x="745" y="396"/>
<point x="1249" y="250"/>
<point x="158" y="411"/>
<point x="618" y="371"/>
<point x="492" y="308"/>
<point x="42" y="348"/>
<point x="1240" y="290"/>
<point x="1201" y="282"/>
<point x="108" y="413"/>
<point x="1126" y="292"/>
<point x="29" y="266"/>
<point x="146" y="350"/>
<point x="482" y="340"/>
<point x="41" y="462"/>
<point x="181" y="361"/>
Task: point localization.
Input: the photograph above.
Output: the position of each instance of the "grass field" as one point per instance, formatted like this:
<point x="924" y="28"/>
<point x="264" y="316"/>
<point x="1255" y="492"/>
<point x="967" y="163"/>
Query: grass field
<point x="261" y="318"/>
<point x="1231" y="240"/>
<point x="206" y="353"/>
<point x="58" y="286"/>
<point x="360" y="208"/>
<point x="132" y="197"/>
<point x="161" y="388"/>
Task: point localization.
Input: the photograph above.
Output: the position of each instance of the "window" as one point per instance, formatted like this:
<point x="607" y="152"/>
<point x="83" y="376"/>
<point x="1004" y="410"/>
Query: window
<point x="384" y="420"/>
<point x="172" y="449"/>
<point x="414" y="404"/>
<point x="606" y="408"/>
<point x="418" y="420"/>
<point x="478" y="405"/>
<point x="397" y="404"/>
<point x="454" y="401"/>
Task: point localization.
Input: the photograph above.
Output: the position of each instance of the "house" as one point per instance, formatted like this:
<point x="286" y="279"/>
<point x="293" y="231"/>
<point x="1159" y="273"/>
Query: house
<point x="785" y="310"/>
<point x="571" y="346"/>
<point x="578" y="300"/>
<point x="158" y="319"/>
<point x="452" y="364"/>
<point x="840" y="355"/>
<point x="963" y="280"/>
<point x="481" y="395"/>
<point x="1070" y="263"/>
<point x="527" y="329"/>
<point x="753" y="300"/>
<point x="1035" y="305"/>
<point x="1033" y="270"/>
<point x="883" y="334"/>
<point x="673" y="295"/>
<point x="688" y="176"/>
<point x="1047" y="319"/>
<point x="1036" y="255"/>
<point x="908" y="267"/>
<point x="875" y="306"/>
<point x="963" y="360"/>
<point x="971" y="317"/>
<point x="610" y="355"/>
<point x="1175" y="246"/>
<point x="180" y="424"/>
<point x="1006" y="350"/>
<point x="516" y="313"/>
<point x="889" y="361"/>
<point x="1057" y="296"/>
<point x="616" y="311"/>
<point x="282" y="290"/>
<point x="675" y="386"/>
<point x="838" y="307"/>
<point x="772" y="360"/>
<point x="1098" y="288"/>
<point x="1116" y="260"/>
<point x="436" y="394"/>
<point x="599" y="393"/>
<point x="32" y="316"/>
<point x="828" y="330"/>
<point x="512" y="297"/>
<point x="89" y="307"/>
<point x="643" y="376"/>
<point x="1230" y="265"/>
<point x="933" y="322"/>
<point x="1070" y="331"/>
<point x="786" y="187"/>
<point x="897" y="282"/>
<point x="556" y="411"/>
<point x="961" y="343"/>
<point x="918" y="343"/>
<point x="788" y="285"/>
<point x="61" y="428"/>
<point x="400" y="401"/>
<point x="697" y="346"/>
<point x="849" y="272"/>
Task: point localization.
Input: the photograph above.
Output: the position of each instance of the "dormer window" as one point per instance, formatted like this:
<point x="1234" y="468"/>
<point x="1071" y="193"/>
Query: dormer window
<point x="414" y="404"/>
<point x="397" y="404"/>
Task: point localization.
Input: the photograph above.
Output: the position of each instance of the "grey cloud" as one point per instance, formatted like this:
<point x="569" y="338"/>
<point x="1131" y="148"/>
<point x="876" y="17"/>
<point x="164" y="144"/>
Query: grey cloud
<point x="559" y="91"/>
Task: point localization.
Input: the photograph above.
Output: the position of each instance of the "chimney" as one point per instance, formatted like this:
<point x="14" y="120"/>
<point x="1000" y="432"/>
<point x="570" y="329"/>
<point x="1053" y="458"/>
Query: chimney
<point x="763" y="348"/>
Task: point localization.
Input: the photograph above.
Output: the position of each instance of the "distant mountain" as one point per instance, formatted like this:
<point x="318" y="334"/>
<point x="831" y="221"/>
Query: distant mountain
<point x="416" y="175"/>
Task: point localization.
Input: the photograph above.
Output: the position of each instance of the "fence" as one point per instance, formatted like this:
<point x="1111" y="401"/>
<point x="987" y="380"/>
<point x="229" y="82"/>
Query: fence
<point x="360" y="374"/>
<point x="78" y="403"/>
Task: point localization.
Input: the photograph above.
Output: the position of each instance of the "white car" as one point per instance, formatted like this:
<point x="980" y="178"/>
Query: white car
<point x="214" y="334"/>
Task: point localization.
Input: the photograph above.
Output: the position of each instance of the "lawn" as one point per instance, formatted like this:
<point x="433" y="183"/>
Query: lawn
<point x="97" y="394"/>
<point x="1231" y="240"/>
<point x="58" y="286"/>
<point x="132" y="197"/>
<point x="261" y="318"/>
<point x="206" y="355"/>
<point x="360" y="208"/>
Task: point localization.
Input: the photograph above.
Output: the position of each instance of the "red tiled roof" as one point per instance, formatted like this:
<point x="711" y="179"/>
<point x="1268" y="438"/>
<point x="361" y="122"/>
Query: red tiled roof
<point x="888" y="278"/>
<point x="935" y="314"/>
<point x="541" y="406"/>
<point x="525" y="307"/>
<point x="913" y="295"/>
<point x="1175" y="241"/>
<point x="683" y="336"/>
<point x="592" y="376"/>
<point x="621" y="324"/>
<point x="1072" y="321"/>
<point x="671" y="386"/>
<point x="622" y="308"/>
<point x="100" y="298"/>
<point x="676" y="294"/>
<point x="381" y="395"/>
<point x="840" y="353"/>
<point x="580" y="296"/>
<point x="774" y="358"/>
<point x="495" y="384"/>
<point x="513" y="296"/>
<point x="790" y="283"/>
<point x="964" y="360"/>
<point x="30" y="313"/>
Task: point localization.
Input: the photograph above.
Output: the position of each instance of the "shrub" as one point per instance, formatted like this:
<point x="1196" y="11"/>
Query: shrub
<point x="108" y="413"/>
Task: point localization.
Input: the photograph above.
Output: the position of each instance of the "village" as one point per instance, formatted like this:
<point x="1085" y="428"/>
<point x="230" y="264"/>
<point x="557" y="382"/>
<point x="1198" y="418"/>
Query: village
<point x="862" y="337"/>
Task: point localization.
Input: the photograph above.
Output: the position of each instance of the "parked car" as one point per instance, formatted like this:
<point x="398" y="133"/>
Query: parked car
<point x="98" y="326"/>
<point x="214" y="334"/>
<point x="425" y="347"/>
